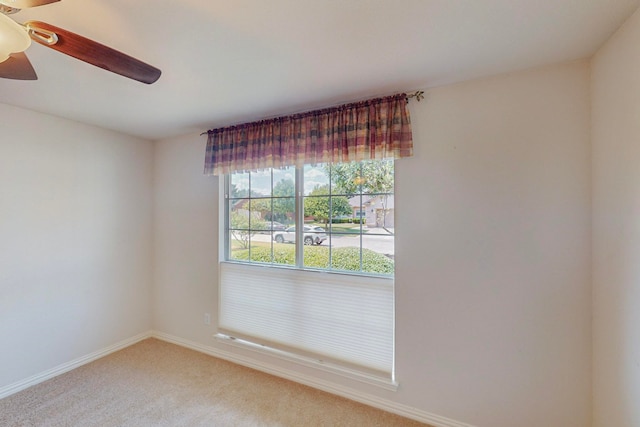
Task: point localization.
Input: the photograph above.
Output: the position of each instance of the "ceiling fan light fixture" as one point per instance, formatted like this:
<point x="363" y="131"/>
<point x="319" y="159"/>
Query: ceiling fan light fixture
<point x="13" y="37"/>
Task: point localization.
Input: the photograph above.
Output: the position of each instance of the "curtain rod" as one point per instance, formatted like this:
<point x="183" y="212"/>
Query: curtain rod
<point x="418" y="95"/>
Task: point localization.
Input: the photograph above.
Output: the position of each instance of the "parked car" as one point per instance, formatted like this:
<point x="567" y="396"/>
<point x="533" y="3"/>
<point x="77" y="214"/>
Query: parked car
<point x="268" y="227"/>
<point x="312" y="235"/>
<point x="276" y="226"/>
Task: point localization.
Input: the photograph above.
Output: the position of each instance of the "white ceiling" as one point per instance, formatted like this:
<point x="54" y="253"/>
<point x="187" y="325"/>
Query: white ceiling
<point x="227" y="62"/>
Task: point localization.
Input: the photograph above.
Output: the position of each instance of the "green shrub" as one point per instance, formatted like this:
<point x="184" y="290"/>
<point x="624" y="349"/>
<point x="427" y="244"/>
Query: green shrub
<point x="318" y="257"/>
<point x="349" y="220"/>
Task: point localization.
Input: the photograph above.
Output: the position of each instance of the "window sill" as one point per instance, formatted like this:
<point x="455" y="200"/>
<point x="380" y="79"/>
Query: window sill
<point x="367" y="378"/>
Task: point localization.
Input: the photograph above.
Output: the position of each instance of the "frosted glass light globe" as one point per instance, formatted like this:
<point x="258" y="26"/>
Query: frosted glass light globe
<point x="13" y="38"/>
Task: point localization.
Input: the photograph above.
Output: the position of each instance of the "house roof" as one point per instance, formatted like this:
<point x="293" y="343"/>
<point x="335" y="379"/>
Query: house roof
<point x="229" y="62"/>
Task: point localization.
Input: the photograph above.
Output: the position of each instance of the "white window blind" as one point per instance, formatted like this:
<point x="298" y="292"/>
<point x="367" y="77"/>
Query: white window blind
<point x="328" y="316"/>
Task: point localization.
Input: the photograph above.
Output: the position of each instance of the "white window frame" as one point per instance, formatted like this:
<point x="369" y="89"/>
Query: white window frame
<point x="299" y="224"/>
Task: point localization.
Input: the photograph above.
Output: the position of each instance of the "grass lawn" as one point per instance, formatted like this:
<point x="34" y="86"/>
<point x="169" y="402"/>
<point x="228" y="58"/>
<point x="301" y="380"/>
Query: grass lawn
<point x="342" y="228"/>
<point x="346" y="259"/>
<point x="236" y="245"/>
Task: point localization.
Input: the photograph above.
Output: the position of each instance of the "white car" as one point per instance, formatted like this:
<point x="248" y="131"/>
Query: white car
<point x="312" y="235"/>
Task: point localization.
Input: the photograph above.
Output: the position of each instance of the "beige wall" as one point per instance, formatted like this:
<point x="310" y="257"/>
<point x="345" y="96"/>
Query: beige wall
<point x="75" y="241"/>
<point x="493" y="252"/>
<point x="186" y="239"/>
<point x="616" y="228"/>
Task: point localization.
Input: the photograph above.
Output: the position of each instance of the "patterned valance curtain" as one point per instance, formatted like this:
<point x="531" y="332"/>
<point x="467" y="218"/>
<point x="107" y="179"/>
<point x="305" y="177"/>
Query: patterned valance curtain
<point x="375" y="129"/>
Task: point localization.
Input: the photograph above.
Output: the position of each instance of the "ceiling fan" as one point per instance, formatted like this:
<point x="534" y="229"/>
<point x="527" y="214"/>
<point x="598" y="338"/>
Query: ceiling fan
<point x="15" y="38"/>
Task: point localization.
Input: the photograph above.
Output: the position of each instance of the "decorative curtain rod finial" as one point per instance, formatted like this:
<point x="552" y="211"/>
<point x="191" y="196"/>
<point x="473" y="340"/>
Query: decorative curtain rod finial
<point x="418" y="95"/>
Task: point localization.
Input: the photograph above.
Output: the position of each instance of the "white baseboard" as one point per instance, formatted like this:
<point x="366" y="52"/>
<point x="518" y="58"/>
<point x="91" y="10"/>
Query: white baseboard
<point x="66" y="367"/>
<point x="367" y="399"/>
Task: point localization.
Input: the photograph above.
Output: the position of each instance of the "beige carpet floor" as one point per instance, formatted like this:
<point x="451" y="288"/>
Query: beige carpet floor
<point x="154" y="383"/>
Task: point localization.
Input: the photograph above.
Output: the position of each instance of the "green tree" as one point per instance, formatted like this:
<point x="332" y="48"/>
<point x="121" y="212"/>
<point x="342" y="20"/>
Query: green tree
<point x="371" y="176"/>
<point x="240" y="227"/>
<point x="260" y="209"/>
<point x="284" y="203"/>
<point x="325" y="207"/>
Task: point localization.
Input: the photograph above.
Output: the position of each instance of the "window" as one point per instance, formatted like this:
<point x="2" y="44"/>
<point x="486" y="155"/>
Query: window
<point x="285" y="231"/>
<point x="347" y="213"/>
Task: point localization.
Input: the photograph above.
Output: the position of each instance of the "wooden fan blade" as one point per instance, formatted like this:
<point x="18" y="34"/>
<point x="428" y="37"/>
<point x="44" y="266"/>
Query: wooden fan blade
<point x="95" y="53"/>
<point x="17" y="67"/>
<point x="24" y="4"/>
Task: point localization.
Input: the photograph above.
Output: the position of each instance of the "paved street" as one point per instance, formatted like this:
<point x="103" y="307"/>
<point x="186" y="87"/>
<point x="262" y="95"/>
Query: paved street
<point x="377" y="243"/>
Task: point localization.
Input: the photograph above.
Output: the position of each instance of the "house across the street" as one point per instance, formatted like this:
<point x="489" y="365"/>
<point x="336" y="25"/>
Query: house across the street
<point x="376" y="210"/>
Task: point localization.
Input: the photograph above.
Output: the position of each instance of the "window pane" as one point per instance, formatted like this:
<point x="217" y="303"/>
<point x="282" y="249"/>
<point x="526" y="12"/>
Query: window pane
<point x="385" y="215"/>
<point x="316" y="180"/>
<point x="315" y="249"/>
<point x="378" y="254"/>
<point x="239" y="240"/>
<point x="261" y="183"/>
<point x="239" y="214"/>
<point x="360" y="210"/>
<point x="316" y="209"/>
<point x="284" y="248"/>
<point x="346" y="179"/>
<point x="347" y="226"/>
<point x="284" y="209"/>
<point x="284" y="182"/>
<point x="239" y="185"/>
<point x="284" y="202"/>
<point x="347" y="257"/>
<point x="341" y="210"/>
<point x="261" y="249"/>
<point x="378" y="210"/>
<point x="377" y="176"/>
<point x="261" y="210"/>
<point x="284" y="253"/>
<point x="261" y="243"/>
